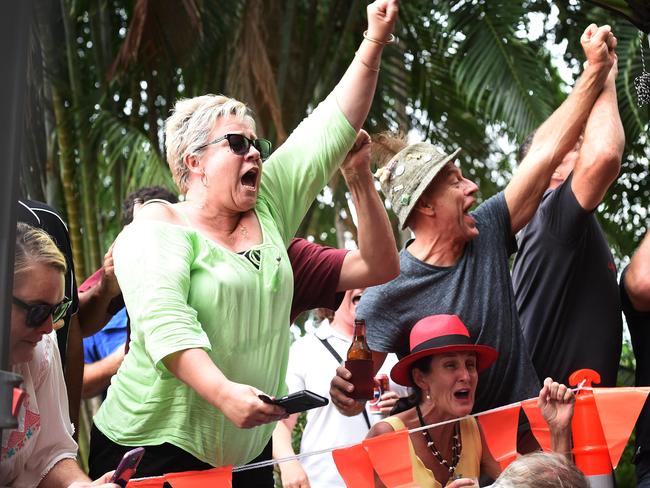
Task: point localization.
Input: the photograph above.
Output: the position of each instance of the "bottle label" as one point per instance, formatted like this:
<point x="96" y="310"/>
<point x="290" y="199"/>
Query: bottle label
<point x="362" y="378"/>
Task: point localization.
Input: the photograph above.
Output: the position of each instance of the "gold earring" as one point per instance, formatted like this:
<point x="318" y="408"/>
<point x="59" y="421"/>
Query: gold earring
<point x="204" y="178"/>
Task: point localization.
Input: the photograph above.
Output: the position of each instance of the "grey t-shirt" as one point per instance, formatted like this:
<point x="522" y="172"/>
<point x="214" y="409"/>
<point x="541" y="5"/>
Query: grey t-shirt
<point x="566" y="290"/>
<point x="478" y="289"/>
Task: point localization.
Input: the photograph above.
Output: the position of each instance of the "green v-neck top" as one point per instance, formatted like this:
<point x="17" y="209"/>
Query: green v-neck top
<point x="183" y="291"/>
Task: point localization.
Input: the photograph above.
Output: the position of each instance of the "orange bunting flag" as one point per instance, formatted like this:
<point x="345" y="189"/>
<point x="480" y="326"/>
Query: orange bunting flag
<point x="17" y="401"/>
<point x="210" y="478"/>
<point x="538" y="425"/>
<point x="155" y="482"/>
<point x="354" y="466"/>
<point x="391" y="457"/>
<point x="500" y="433"/>
<point x="618" y="409"/>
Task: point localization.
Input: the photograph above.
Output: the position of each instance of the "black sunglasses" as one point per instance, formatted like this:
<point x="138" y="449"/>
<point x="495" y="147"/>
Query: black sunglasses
<point x="36" y="314"/>
<point x="239" y="144"/>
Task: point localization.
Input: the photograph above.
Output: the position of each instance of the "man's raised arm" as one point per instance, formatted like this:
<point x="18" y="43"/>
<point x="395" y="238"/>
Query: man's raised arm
<point x="560" y="132"/>
<point x="600" y="156"/>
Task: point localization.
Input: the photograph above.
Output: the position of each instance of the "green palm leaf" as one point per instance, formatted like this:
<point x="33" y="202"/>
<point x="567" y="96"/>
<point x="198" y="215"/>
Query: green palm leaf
<point x="501" y="74"/>
<point x="136" y="155"/>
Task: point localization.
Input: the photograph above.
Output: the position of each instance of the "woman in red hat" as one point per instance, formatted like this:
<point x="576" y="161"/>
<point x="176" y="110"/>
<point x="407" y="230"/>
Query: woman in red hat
<point x="443" y="369"/>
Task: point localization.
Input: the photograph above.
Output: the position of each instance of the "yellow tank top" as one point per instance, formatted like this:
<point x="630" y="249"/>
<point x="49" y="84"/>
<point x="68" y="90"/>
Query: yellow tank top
<point x="469" y="464"/>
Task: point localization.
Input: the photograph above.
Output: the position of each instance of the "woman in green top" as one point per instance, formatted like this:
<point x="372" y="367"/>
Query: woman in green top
<point x="208" y="283"/>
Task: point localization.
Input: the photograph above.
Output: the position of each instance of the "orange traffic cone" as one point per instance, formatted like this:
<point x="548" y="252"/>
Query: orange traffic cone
<point x="589" y="445"/>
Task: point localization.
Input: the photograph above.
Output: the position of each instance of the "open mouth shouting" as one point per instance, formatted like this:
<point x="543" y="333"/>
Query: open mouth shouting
<point x="467" y="215"/>
<point x="462" y="394"/>
<point x="250" y="179"/>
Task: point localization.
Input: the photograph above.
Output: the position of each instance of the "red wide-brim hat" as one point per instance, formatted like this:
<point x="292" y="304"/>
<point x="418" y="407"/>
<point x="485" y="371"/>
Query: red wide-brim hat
<point x="439" y="334"/>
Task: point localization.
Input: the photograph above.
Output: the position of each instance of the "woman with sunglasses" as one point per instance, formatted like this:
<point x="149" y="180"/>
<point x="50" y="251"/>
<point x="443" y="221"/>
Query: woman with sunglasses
<point x="40" y="451"/>
<point x="208" y="283"/>
<point x="443" y="369"/>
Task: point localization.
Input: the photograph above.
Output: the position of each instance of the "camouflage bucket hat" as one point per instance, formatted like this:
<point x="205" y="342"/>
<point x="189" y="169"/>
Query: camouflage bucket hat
<point x="409" y="173"/>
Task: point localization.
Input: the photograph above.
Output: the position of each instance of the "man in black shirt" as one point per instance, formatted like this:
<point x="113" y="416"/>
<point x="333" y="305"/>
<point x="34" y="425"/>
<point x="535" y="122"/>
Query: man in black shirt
<point x="564" y="275"/>
<point x="635" y="298"/>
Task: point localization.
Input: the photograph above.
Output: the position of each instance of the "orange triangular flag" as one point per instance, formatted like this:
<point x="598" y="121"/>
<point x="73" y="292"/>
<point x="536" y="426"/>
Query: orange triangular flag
<point x="210" y="478"/>
<point x="17" y="401"/>
<point x="500" y="433"/>
<point x="155" y="482"/>
<point x="538" y="425"/>
<point x="354" y="466"/>
<point x="618" y="409"/>
<point x="391" y="457"/>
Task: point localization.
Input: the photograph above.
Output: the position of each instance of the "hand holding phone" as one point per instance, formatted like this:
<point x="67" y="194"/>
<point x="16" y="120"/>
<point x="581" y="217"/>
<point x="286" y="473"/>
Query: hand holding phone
<point x="298" y="401"/>
<point x="126" y="469"/>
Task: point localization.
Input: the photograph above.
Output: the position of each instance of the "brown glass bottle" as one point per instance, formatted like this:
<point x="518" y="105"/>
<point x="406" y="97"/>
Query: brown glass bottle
<point x="359" y="348"/>
<point x="359" y="363"/>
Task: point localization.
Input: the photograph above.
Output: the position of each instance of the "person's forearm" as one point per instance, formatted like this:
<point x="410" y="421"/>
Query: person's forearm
<point x="561" y="442"/>
<point x="64" y="473"/>
<point x="604" y="130"/>
<point x="602" y="148"/>
<point x="94" y="309"/>
<point x="195" y="368"/>
<point x="379" y="261"/>
<point x="97" y="375"/>
<point x="555" y="137"/>
<point x="356" y="89"/>
<point x="637" y="277"/>
<point x="559" y="133"/>
<point x="282" y="440"/>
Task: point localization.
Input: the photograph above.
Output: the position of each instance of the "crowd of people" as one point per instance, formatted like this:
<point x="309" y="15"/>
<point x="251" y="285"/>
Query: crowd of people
<point x="186" y="324"/>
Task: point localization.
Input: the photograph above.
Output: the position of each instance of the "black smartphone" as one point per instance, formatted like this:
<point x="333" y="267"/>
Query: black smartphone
<point x="298" y="401"/>
<point x="126" y="469"/>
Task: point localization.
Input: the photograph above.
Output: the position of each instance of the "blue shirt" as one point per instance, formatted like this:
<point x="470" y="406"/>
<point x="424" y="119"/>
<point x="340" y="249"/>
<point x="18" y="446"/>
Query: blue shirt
<point x="107" y="340"/>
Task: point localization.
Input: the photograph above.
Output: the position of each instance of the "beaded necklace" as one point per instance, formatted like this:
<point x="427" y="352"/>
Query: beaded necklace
<point x="456" y="447"/>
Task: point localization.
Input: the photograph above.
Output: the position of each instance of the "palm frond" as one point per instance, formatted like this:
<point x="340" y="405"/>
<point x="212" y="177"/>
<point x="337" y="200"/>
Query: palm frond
<point x="635" y="118"/>
<point x="160" y="35"/>
<point x="499" y="73"/>
<point x="137" y="156"/>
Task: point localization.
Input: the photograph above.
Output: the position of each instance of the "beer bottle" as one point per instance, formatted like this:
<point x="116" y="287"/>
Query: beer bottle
<point x="359" y="363"/>
<point x="359" y="348"/>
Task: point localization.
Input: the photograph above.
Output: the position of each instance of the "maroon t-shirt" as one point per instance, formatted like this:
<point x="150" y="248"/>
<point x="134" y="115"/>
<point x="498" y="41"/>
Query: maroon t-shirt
<point x="316" y="272"/>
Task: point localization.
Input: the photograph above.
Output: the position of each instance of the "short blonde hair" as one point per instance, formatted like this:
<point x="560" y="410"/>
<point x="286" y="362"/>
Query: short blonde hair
<point x="35" y="246"/>
<point x="190" y="125"/>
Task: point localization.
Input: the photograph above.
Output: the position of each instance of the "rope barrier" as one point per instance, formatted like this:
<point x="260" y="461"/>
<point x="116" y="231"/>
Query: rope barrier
<point x="271" y="462"/>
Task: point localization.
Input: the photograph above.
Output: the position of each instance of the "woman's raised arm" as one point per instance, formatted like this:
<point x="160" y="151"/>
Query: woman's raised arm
<point x="356" y="89"/>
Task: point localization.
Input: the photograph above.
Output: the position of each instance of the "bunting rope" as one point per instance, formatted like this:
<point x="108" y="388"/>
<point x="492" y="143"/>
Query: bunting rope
<point x="271" y="462"/>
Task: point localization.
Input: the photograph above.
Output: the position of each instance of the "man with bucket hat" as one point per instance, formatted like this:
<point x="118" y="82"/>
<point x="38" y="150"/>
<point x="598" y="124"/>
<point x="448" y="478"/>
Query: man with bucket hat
<point x="458" y="262"/>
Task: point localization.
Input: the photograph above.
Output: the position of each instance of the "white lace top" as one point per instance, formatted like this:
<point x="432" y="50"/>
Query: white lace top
<point x="44" y="433"/>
